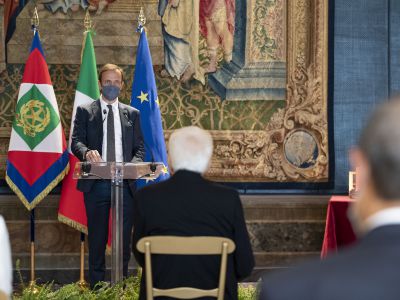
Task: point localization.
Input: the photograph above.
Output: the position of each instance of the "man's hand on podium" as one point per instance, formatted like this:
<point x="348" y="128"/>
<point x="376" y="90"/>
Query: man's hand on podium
<point x="93" y="156"/>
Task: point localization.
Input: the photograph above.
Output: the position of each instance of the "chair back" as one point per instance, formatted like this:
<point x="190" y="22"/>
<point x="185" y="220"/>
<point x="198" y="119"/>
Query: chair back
<point x="3" y="296"/>
<point x="177" y="245"/>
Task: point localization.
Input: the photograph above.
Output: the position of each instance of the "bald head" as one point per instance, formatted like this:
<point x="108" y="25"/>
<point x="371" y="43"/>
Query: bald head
<point x="190" y="148"/>
<point x="380" y="144"/>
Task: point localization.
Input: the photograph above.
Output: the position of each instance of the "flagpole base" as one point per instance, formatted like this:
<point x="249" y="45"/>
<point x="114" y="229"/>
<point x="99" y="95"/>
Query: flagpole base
<point x="82" y="285"/>
<point x="32" y="288"/>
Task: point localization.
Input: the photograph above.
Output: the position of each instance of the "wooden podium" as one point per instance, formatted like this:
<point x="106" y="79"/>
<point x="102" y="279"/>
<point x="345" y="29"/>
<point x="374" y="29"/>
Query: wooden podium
<point x="117" y="172"/>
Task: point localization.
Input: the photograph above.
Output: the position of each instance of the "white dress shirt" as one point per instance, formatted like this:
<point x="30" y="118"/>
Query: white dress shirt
<point x="117" y="129"/>
<point x="5" y="260"/>
<point x="388" y="216"/>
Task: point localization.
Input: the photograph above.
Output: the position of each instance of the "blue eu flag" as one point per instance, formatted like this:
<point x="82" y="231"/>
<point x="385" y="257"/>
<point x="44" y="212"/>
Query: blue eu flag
<point x="145" y="99"/>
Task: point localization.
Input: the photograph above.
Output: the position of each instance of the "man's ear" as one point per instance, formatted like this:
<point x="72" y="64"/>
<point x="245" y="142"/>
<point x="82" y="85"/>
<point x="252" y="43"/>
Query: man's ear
<point x="355" y="157"/>
<point x="99" y="86"/>
<point x="360" y="164"/>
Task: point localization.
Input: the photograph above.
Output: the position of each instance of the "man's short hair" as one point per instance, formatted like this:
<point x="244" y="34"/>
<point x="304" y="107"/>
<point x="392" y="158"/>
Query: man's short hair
<point x="380" y="143"/>
<point x="190" y="148"/>
<point x="111" y="67"/>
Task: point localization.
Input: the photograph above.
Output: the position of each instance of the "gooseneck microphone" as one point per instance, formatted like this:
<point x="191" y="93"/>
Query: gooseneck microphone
<point x="127" y="118"/>
<point x="153" y="166"/>
<point x="85" y="170"/>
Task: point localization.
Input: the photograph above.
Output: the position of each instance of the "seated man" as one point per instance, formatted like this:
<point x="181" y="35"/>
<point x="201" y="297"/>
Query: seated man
<point x="189" y="205"/>
<point x="370" y="269"/>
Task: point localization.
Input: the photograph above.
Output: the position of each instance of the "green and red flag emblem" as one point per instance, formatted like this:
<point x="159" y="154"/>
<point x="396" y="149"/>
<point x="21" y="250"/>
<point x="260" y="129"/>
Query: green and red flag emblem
<point x="37" y="156"/>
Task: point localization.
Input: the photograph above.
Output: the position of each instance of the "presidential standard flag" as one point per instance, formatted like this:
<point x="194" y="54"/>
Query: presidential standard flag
<point x="145" y="99"/>
<point x="72" y="207"/>
<point x="37" y="156"/>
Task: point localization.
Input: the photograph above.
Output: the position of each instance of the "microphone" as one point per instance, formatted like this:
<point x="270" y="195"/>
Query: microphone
<point x="86" y="167"/>
<point x="127" y="118"/>
<point x="85" y="170"/>
<point x="153" y="166"/>
<point x="105" y="114"/>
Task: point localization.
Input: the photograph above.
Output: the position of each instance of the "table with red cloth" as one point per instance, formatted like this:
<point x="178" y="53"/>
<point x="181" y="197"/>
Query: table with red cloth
<point x="338" y="229"/>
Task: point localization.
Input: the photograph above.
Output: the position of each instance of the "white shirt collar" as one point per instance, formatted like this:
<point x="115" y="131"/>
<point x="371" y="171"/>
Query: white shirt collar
<point x="388" y="216"/>
<point x="104" y="103"/>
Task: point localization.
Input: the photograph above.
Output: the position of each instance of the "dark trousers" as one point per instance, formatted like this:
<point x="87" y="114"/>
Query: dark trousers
<point x="98" y="203"/>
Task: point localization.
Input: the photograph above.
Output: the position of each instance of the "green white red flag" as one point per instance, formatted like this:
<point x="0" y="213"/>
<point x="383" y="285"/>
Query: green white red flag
<point x="72" y="207"/>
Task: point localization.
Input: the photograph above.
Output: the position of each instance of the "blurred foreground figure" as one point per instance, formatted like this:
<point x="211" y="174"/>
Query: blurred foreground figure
<point x="5" y="262"/>
<point x="371" y="269"/>
<point x="189" y="205"/>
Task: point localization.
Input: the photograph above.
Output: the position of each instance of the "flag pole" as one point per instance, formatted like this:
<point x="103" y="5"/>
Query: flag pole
<point x="32" y="284"/>
<point x="82" y="284"/>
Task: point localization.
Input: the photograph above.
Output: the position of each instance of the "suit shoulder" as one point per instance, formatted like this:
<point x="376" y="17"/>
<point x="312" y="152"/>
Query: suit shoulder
<point x="304" y="277"/>
<point x="221" y="188"/>
<point x="128" y="108"/>
<point x="226" y="195"/>
<point x="301" y="280"/>
<point x="151" y="189"/>
<point x="88" y="106"/>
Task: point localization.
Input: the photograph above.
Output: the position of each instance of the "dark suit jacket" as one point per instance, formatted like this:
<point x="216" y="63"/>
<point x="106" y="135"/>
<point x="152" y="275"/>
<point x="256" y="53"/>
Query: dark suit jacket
<point x="188" y="205"/>
<point x="368" y="271"/>
<point x="88" y="135"/>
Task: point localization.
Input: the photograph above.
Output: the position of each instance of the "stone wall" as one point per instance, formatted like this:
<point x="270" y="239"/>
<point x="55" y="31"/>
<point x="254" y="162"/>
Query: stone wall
<point x="115" y="41"/>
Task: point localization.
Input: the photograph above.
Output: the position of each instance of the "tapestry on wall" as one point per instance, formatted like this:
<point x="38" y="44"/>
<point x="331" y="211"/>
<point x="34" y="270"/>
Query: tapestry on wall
<point x="253" y="73"/>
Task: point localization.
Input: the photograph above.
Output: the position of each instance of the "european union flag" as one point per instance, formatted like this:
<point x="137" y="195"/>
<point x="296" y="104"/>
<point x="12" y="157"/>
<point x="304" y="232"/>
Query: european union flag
<point x="145" y="99"/>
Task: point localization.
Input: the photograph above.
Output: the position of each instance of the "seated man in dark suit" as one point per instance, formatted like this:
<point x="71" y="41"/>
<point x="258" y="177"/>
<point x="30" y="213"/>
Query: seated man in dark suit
<point x="189" y="205"/>
<point x="371" y="269"/>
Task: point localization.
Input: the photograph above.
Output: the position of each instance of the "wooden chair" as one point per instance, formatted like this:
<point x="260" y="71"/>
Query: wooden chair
<point x="175" y="245"/>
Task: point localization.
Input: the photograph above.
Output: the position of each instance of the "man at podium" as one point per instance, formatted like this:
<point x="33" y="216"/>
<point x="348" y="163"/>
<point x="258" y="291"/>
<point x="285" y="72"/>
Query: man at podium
<point x="106" y="130"/>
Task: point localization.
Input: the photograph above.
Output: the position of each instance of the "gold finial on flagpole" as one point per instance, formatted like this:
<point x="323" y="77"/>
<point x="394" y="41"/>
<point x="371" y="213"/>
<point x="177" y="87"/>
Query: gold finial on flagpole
<point x="35" y="19"/>
<point x="88" y="21"/>
<point x="141" y="18"/>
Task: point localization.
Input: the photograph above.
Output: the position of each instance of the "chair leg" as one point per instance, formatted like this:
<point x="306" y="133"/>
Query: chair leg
<point x="149" y="277"/>
<point x="222" y="273"/>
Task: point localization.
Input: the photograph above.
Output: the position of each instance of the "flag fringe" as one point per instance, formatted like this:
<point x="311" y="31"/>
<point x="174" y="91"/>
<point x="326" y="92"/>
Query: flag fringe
<point x="74" y="224"/>
<point x="44" y="193"/>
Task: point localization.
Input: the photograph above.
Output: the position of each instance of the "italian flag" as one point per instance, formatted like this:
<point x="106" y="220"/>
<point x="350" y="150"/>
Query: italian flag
<point x="37" y="156"/>
<point x="72" y="210"/>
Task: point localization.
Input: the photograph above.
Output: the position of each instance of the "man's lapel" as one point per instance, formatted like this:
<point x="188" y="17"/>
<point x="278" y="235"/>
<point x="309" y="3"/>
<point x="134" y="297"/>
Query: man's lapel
<point x="98" y="118"/>
<point x="124" y="128"/>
